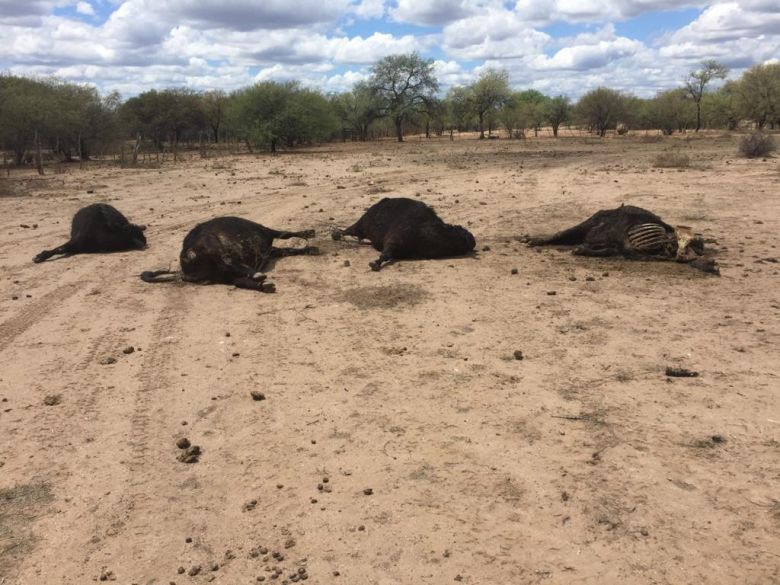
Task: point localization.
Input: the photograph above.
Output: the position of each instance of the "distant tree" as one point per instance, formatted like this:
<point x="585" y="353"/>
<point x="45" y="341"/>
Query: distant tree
<point x="720" y="109"/>
<point x="489" y="93"/>
<point x="671" y="110"/>
<point x="601" y="109"/>
<point x="697" y="81"/>
<point x="357" y="109"/>
<point x="458" y="109"/>
<point x="214" y="106"/>
<point x="404" y="86"/>
<point x="270" y="114"/>
<point x="758" y="95"/>
<point x="164" y="116"/>
<point x="535" y="104"/>
<point x="558" y="112"/>
<point x="514" y="117"/>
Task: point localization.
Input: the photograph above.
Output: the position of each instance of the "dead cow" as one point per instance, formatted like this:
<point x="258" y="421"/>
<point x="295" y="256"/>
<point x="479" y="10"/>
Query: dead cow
<point x="404" y="228"/>
<point x="230" y="250"/>
<point x="635" y="233"/>
<point x="99" y="228"/>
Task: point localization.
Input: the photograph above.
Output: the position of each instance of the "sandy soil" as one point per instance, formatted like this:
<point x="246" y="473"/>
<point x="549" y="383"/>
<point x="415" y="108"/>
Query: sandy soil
<point x="447" y="460"/>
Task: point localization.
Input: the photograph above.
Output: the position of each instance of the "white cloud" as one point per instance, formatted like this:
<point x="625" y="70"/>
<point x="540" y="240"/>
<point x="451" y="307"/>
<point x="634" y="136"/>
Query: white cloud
<point x="85" y="8"/>
<point x="369" y="9"/>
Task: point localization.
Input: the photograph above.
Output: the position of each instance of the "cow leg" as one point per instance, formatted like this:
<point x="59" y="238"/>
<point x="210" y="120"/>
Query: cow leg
<point x="304" y="234"/>
<point x="570" y="237"/>
<point x="258" y="285"/>
<point x="387" y="255"/>
<point x="66" y="248"/>
<point x="282" y="252"/>
<point x="595" y="252"/>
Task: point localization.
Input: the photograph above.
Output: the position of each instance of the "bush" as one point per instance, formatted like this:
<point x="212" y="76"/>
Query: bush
<point x="756" y="145"/>
<point x="669" y="160"/>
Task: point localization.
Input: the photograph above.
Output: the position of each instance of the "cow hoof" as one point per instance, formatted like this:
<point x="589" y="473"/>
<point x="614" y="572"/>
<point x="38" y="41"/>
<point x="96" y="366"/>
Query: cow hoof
<point x="259" y="276"/>
<point x="336" y="235"/>
<point x="38" y="259"/>
<point x="374" y="266"/>
<point x="269" y="287"/>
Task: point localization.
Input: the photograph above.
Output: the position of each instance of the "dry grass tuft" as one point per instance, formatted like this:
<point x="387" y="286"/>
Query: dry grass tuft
<point x="385" y="297"/>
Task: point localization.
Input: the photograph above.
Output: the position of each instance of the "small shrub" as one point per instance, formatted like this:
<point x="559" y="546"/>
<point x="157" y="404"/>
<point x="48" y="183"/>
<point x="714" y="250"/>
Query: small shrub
<point x="756" y="144"/>
<point x="672" y="160"/>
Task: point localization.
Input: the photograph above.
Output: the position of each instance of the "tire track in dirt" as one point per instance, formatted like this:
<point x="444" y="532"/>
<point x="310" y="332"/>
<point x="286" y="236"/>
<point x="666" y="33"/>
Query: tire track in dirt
<point x="35" y="311"/>
<point x="153" y="377"/>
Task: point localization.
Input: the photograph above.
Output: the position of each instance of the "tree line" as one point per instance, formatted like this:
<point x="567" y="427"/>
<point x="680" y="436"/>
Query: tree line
<point x="401" y="95"/>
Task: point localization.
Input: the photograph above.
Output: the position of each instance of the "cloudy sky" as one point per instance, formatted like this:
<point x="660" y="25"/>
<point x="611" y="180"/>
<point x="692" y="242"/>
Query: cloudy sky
<point x="556" y="46"/>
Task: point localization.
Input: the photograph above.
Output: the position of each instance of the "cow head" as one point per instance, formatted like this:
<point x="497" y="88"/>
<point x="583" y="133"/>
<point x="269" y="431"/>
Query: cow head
<point x="136" y="235"/>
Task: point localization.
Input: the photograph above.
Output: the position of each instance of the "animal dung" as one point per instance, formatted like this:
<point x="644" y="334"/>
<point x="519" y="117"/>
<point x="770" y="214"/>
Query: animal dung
<point x="673" y="372"/>
<point x="183" y="443"/>
<point x="515" y="271"/>
<point x="257" y="396"/>
<point x="190" y="454"/>
<point x="518" y="355"/>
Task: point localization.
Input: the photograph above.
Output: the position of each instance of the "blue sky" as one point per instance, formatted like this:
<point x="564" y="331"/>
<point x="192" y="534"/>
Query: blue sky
<point x="556" y="46"/>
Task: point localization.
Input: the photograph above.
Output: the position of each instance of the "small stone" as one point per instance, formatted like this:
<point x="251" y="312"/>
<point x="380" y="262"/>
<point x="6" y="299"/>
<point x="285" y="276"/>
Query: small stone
<point x="518" y="354"/>
<point x="188" y="539"/>
<point x="290" y="543"/>
<point x="361" y="528"/>
<point x="227" y="334"/>
<point x="260" y="578"/>
<point x="515" y="271"/>
<point x="589" y="278"/>
<point x="346" y="263"/>
<point x="572" y="278"/>
<point x="256" y="395"/>
<point x="325" y="479"/>
<point x="486" y="248"/>
<point x="263" y="550"/>
<point x="180" y="570"/>
<point x="302" y="571"/>
<point x="128" y="350"/>
<point x="107" y="361"/>
<point x="183" y="443"/>
<point x="52" y="400"/>
<point x="215" y="567"/>
<point x="194" y="570"/>
<point x="551" y="293"/>
<point x="250" y="505"/>
<point x="336" y="573"/>
<point x="368" y="492"/>
<point x="279" y="486"/>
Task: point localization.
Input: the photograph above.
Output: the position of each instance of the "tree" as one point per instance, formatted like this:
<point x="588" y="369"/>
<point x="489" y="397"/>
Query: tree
<point x="214" y="105"/>
<point x="534" y="104"/>
<point x="758" y="94"/>
<point x="720" y="109"/>
<point x="404" y="85"/>
<point x="357" y="109"/>
<point x="458" y="109"/>
<point x="671" y="110"/>
<point x="697" y="81"/>
<point x="601" y="109"/>
<point x="270" y="113"/>
<point x="489" y="93"/>
<point x="558" y="112"/>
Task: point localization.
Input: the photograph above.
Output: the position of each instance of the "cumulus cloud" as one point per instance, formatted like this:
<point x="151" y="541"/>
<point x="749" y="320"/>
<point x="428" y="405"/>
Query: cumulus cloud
<point x="85" y="8"/>
<point x="227" y="44"/>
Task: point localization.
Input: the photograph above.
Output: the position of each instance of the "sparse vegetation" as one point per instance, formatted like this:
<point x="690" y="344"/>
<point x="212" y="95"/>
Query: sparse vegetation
<point x="50" y="121"/>
<point x="756" y="145"/>
<point x="672" y="160"/>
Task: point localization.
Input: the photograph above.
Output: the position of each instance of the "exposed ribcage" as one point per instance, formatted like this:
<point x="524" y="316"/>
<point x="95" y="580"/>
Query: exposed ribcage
<point x="649" y="238"/>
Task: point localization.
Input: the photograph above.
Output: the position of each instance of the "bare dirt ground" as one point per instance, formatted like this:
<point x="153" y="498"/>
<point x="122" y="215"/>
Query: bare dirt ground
<point x="447" y="460"/>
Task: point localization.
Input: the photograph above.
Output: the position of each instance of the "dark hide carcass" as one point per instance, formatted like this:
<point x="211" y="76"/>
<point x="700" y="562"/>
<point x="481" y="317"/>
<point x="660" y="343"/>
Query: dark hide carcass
<point x="635" y="233"/>
<point x="99" y="228"/>
<point x="404" y="228"/>
<point x="231" y="250"/>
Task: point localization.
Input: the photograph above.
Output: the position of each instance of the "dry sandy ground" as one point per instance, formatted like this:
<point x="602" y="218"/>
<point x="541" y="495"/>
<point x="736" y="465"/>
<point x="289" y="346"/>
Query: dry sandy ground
<point x="581" y="463"/>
